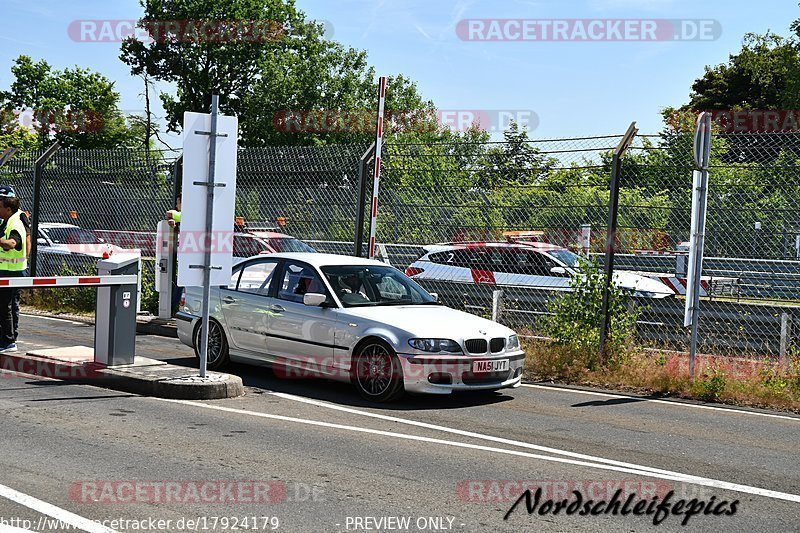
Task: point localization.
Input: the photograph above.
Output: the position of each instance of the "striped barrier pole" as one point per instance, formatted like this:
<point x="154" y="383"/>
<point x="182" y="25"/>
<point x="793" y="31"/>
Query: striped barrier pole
<point x="69" y="281"/>
<point x="373" y="226"/>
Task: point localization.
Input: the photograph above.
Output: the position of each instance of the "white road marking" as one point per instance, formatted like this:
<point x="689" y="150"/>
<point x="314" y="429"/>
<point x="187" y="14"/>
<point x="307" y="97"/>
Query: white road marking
<point x="474" y="435"/>
<point x="663" y="402"/>
<point x="84" y="524"/>
<point x="644" y="471"/>
<point x="68" y="321"/>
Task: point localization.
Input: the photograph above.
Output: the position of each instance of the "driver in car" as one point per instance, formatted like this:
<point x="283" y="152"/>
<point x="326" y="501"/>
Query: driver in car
<point x="350" y="290"/>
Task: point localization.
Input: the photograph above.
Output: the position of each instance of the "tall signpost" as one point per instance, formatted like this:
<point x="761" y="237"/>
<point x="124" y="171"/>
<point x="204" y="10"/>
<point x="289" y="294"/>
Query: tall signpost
<point x="702" y="154"/>
<point x="205" y="245"/>
<point x="373" y="227"/>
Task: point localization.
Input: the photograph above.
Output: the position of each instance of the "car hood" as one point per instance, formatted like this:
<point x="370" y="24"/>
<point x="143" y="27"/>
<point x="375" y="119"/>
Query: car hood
<point x="431" y="321"/>
<point x="642" y="284"/>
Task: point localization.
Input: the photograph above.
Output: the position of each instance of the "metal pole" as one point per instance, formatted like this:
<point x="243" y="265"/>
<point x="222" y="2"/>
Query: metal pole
<point x="362" y="198"/>
<point x="38" y="170"/>
<point x="212" y="160"/>
<point x="611" y="234"/>
<point x="702" y="155"/>
<point x="698" y="267"/>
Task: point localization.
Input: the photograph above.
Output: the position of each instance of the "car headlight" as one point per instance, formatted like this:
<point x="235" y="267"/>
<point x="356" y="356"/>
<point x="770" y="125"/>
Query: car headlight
<point x="435" y="345"/>
<point x="513" y="343"/>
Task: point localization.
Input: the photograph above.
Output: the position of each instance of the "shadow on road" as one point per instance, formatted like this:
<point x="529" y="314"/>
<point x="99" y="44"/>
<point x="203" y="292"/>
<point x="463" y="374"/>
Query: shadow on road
<point x="612" y="401"/>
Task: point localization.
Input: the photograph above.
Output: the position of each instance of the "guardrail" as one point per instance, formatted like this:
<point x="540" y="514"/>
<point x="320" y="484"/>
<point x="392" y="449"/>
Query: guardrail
<point x="726" y="328"/>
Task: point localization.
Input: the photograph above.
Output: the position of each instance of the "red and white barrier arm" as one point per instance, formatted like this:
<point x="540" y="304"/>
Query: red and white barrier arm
<point x="69" y="281"/>
<point x="373" y="226"/>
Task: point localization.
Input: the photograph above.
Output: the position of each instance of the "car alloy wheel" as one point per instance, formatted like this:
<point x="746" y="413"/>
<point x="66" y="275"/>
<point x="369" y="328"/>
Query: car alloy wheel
<point x="377" y="373"/>
<point x="217" y="345"/>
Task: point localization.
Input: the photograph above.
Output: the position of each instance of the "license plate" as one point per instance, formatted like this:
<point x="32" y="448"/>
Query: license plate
<point x="490" y="366"/>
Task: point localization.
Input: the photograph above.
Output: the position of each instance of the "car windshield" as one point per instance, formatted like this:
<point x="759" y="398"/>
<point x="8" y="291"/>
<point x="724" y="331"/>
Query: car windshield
<point x="289" y="244"/>
<point x="568" y="258"/>
<point x="71" y="236"/>
<point x="368" y="285"/>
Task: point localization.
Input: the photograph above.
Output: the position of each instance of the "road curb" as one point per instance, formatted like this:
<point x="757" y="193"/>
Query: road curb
<point x="147" y="377"/>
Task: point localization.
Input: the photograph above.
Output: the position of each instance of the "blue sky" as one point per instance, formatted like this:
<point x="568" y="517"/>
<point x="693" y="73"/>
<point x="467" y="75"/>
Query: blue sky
<point x="575" y="88"/>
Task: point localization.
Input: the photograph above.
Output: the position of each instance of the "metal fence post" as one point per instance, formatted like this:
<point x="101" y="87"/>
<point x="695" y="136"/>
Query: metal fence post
<point x="611" y="235"/>
<point x="786" y="332"/>
<point x="38" y="170"/>
<point x="362" y="198"/>
<point x="497" y="305"/>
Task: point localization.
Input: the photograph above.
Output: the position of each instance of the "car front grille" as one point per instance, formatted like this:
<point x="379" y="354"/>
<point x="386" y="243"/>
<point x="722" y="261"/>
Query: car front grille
<point x="497" y="344"/>
<point x="470" y="378"/>
<point x="476" y="346"/>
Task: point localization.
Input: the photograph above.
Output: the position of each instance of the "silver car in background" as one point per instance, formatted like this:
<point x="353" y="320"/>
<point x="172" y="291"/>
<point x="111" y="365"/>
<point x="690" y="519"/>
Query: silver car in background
<point x="350" y="319"/>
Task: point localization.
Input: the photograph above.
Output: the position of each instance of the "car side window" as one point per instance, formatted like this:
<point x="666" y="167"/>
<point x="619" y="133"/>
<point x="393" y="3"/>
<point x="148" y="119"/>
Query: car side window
<point x="234" y="280"/>
<point x="255" y="278"/>
<point x="534" y="263"/>
<point x="246" y="246"/>
<point x="298" y="280"/>
<point x="456" y="257"/>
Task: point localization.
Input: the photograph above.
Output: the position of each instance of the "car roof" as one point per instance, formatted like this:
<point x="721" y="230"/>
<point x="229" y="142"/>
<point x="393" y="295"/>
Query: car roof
<point x="269" y="235"/>
<point x="44" y="225"/>
<point x="544" y="246"/>
<point x="322" y="260"/>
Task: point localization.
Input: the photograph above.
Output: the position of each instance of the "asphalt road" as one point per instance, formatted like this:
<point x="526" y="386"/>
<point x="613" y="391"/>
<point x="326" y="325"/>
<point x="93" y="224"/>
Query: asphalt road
<point x="311" y="456"/>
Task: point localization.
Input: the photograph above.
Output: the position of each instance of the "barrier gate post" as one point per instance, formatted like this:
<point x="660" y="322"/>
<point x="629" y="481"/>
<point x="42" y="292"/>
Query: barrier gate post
<point x="115" y="322"/>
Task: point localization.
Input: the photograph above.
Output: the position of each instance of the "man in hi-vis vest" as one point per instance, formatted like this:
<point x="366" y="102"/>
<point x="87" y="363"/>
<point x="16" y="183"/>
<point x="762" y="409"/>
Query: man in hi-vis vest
<point x="13" y="261"/>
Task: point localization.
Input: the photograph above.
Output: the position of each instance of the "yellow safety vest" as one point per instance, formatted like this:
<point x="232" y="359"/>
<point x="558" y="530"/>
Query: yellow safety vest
<point x="14" y="260"/>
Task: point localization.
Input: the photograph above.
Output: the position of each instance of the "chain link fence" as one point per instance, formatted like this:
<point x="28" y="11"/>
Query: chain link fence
<point x="466" y="219"/>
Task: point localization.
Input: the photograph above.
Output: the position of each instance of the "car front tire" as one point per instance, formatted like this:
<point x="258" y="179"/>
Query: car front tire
<point x="376" y="373"/>
<point x="218" y="355"/>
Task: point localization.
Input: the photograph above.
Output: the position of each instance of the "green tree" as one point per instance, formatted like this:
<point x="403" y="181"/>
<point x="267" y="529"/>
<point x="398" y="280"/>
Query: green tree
<point x="765" y="74"/>
<point x="77" y="107"/>
<point x="294" y="68"/>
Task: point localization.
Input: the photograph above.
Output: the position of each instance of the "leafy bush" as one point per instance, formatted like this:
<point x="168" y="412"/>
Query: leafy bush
<point x="66" y="299"/>
<point x="575" y="319"/>
<point x="711" y="384"/>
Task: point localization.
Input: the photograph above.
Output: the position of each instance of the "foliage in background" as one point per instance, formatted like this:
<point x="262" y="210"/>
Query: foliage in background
<point x="575" y="319"/>
<point x="62" y="300"/>
<point x="728" y="380"/>
<point x="296" y="69"/>
<point x="75" y="106"/>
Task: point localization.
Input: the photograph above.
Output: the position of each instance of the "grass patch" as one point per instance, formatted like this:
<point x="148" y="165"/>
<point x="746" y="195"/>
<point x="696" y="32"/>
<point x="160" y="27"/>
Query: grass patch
<point x="729" y="380"/>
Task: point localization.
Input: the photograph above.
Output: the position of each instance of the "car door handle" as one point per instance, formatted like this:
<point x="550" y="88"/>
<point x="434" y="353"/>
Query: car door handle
<point x="229" y="300"/>
<point x="276" y="308"/>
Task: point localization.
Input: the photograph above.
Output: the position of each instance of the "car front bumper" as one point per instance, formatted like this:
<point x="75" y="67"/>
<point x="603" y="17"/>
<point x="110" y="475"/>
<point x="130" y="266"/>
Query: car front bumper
<point x="446" y="374"/>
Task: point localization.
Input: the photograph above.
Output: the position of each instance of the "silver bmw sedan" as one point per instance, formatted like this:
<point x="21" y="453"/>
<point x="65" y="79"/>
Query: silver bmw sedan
<point x="349" y="319"/>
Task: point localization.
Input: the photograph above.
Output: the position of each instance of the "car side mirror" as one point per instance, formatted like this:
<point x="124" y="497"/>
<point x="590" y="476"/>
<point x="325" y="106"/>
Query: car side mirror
<point x="559" y="271"/>
<point x="435" y="296"/>
<point x="314" y="299"/>
<point x="41" y="241"/>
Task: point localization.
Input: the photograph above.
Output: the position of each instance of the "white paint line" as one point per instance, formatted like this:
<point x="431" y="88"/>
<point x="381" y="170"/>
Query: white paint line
<point x="663" y="402"/>
<point x="672" y="476"/>
<point x="77" y="521"/>
<point x="68" y="321"/>
<point x="471" y="434"/>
